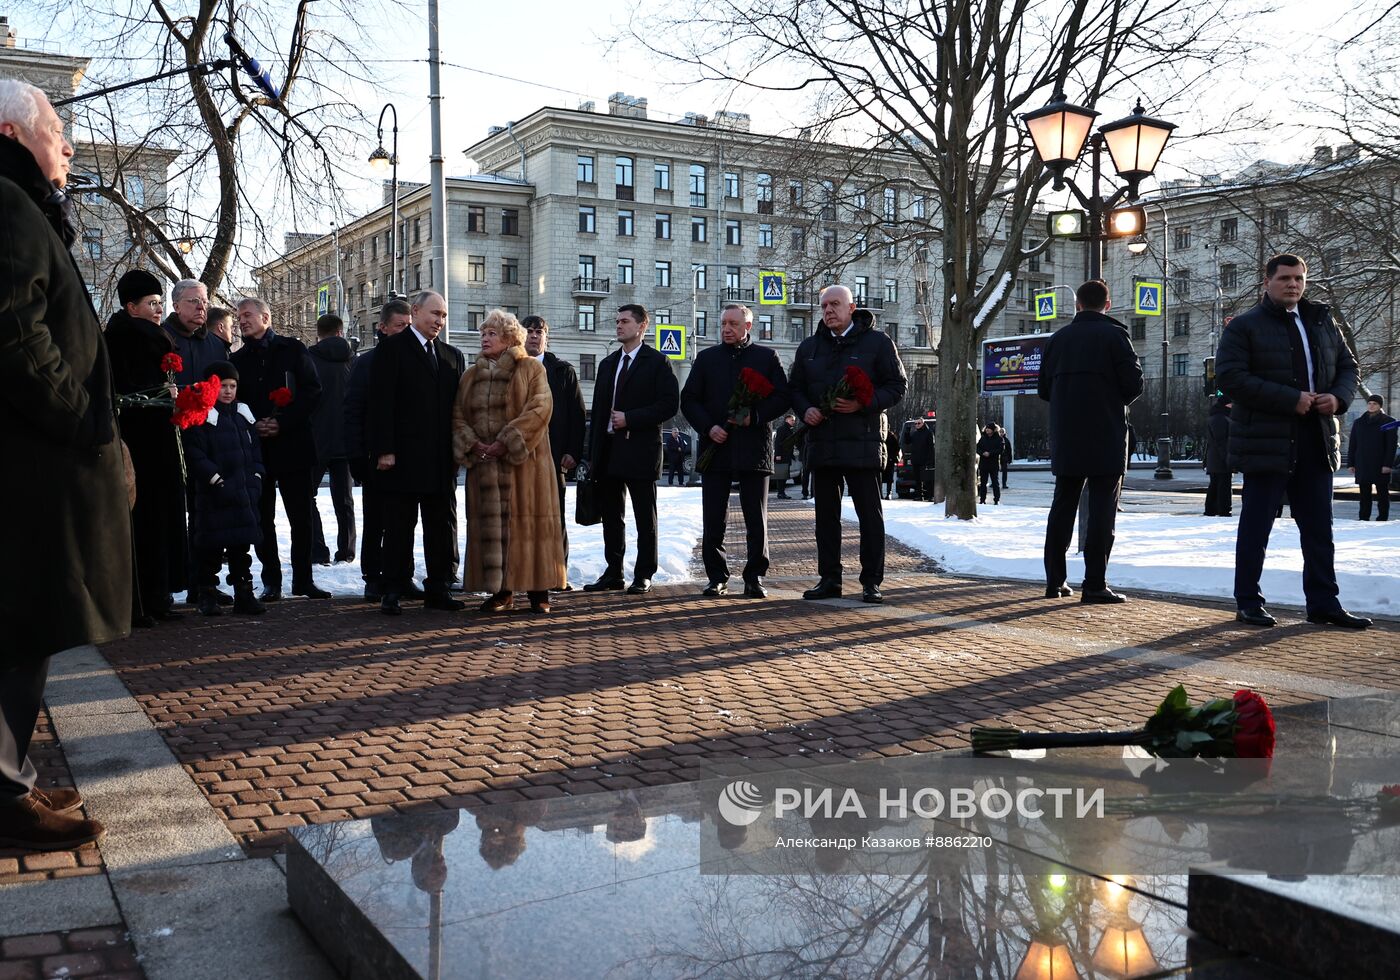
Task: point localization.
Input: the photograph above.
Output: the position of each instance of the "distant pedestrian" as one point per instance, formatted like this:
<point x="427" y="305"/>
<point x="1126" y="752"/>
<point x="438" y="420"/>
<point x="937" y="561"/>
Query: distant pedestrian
<point x="677" y="448"/>
<point x="783" y="454"/>
<point x="1370" y="457"/>
<point x="891" y="461"/>
<point x="1089" y="374"/>
<point x="989" y="450"/>
<point x="1219" y="494"/>
<point x="332" y="356"/>
<point x="918" y="456"/>
<point x="1006" y="457"/>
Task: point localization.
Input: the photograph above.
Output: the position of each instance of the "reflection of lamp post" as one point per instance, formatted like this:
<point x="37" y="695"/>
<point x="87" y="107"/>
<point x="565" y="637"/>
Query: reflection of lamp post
<point x="1138" y="246"/>
<point x="1047" y="961"/>
<point x="380" y="161"/>
<point x="1123" y="951"/>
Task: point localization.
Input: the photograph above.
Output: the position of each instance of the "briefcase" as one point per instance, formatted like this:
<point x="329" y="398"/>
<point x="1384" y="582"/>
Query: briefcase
<point x="586" y="503"/>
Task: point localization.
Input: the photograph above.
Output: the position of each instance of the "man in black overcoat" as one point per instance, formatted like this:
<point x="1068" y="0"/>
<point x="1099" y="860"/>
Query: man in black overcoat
<point x="1371" y="455"/>
<point x="568" y="421"/>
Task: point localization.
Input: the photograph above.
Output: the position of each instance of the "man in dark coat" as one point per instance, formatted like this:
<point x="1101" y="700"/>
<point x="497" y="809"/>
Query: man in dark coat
<point x="394" y="317"/>
<point x="137" y="345"/>
<point x="1089" y="374"/>
<point x="849" y="445"/>
<point x="1290" y="374"/>
<point x="331" y="356"/>
<point x="634" y="395"/>
<point x="989" y="450"/>
<point x="1370" y="455"/>
<point x="66" y="578"/>
<point x="412" y="386"/>
<point x="1008" y="454"/>
<point x="188" y="329"/>
<point x="743" y="447"/>
<point x="891" y="461"/>
<point x="1219" y="494"/>
<point x="783" y="453"/>
<point x="568" y="421"/>
<point x="677" y="448"/>
<point x="267" y="363"/>
<point x="918" y="454"/>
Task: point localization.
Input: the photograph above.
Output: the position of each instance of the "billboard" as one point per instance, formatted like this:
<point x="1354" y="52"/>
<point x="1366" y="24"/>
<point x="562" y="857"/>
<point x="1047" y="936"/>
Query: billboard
<point x="1011" y="365"/>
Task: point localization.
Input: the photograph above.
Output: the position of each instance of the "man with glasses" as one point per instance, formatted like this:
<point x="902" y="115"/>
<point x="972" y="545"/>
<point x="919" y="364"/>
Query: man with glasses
<point x="188" y="329"/>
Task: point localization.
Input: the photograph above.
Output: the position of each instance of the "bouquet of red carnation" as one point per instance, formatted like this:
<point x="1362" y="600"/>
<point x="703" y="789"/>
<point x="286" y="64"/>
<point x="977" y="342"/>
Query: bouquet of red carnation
<point x="280" y="398"/>
<point x="193" y="404"/>
<point x="172" y="364"/>
<point x="1240" y="728"/>
<point x="854" y="384"/>
<point x="751" y="389"/>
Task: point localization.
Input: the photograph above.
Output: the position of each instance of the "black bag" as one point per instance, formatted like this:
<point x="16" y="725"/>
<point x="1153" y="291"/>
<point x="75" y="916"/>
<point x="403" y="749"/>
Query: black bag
<point x="586" y="503"/>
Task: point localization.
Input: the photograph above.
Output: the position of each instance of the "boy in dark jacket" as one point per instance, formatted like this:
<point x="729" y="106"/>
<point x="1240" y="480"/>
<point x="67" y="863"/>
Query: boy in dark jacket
<point x="226" y="471"/>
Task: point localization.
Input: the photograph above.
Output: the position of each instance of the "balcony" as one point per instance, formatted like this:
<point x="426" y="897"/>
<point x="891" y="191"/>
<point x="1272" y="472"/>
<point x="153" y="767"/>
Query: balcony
<point x="735" y="296"/>
<point x="584" y="286"/>
<point x="870" y="303"/>
<point x="799" y="297"/>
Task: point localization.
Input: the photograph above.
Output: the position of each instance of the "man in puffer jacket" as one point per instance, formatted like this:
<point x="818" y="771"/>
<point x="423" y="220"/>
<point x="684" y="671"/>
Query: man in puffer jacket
<point x="849" y="445"/>
<point x="226" y="471"/>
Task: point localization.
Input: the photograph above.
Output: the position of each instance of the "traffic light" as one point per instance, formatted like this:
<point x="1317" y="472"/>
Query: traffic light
<point x="1066" y="224"/>
<point x="1209" y="377"/>
<point x="1126" y="222"/>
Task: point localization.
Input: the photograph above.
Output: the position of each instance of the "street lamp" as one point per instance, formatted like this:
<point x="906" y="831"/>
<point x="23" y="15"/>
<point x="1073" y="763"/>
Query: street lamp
<point x="1059" y="131"/>
<point x="380" y="161"/>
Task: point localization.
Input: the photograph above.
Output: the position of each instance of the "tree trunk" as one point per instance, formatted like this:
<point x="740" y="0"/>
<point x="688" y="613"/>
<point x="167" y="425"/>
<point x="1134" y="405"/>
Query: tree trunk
<point x="957" y="422"/>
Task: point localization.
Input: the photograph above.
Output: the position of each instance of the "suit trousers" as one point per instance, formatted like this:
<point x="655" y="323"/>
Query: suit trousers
<point x="1382" y="492"/>
<point x="400" y="522"/>
<point x="21" y="691"/>
<point x="1100" y="518"/>
<point x="864" y="488"/>
<point x="343" y="500"/>
<point x="1309" y="489"/>
<point x="210" y="560"/>
<point x="295" y="488"/>
<point x="372" y="534"/>
<point x="753" y="500"/>
<point x="611" y="493"/>
<point x="675" y="471"/>
<point x="1220" y="499"/>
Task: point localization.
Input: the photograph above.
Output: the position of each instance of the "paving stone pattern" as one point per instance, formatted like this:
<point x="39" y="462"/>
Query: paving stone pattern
<point x="95" y="954"/>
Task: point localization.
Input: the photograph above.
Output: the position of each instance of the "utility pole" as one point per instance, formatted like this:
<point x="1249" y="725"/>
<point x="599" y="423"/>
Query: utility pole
<point x="436" y="178"/>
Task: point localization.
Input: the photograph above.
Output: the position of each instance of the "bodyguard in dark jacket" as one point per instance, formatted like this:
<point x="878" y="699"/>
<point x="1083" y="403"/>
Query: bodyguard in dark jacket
<point x="989" y="451"/>
<point x="332" y="357"/>
<point x="1371" y="456"/>
<point x="568" y="421"/>
<point x="267" y="362"/>
<point x="66" y="576"/>
<point x="1219" y="494"/>
<point x="849" y="445"/>
<point x="1089" y="374"/>
<point x="743" y="450"/>
<point x="1289" y="373"/>
<point x="634" y="395"/>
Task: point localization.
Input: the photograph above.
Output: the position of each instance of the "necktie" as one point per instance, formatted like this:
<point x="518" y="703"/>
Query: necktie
<point x="432" y="356"/>
<point x="621" y="377"/>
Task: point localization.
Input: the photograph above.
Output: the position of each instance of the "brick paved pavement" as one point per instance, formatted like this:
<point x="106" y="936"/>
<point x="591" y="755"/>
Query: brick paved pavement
<point x="94" y="954"/>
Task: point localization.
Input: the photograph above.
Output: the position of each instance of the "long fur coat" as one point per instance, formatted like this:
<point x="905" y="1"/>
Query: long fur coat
<point x="514" y="540"/>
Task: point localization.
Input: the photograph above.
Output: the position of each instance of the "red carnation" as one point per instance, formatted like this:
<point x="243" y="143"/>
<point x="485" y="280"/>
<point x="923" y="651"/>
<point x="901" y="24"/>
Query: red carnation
<point x="192" y="404"/>
<point x="1254" y="731"/>
<point x="280" y="397"/>
<point x="862" y="388"/>
<point x="172" y="364"/>
<point x="759" y="386"/>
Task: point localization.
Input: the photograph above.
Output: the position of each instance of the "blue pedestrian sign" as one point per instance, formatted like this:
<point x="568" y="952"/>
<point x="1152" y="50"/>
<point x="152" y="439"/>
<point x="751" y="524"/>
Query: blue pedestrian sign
<point x="772" y="288"/>
<point x="1147" y="298"/>
<point x="1045" y="306"/>
<point x="670" y="340"/>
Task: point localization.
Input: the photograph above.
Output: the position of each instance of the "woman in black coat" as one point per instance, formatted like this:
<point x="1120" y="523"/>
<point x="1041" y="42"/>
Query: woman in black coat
<point x="989" y="450"/>
<point x="1219" y="496"/>
<point x="137" y="343"/>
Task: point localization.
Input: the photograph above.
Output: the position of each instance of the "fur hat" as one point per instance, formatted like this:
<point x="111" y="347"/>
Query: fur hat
<point x="136" y="285"/>
<point x="224" y="369"/>
<point x="1377" y="399"/>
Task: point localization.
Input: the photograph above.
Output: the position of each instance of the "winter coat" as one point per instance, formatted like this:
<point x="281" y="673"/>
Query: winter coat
<point x="855" y="441"/>
<point x="333" y="359"/>
<point x="781" y="435"/>
<point x="226" y="472"/>
<point x="918" y="445"/>
<point x="263" y="367"/>
<point x="705" y="404"/>
<point x="513" y="501"/>
<point x="66" y="575"/>
<point x="1255" y="368"/>
<point x="891" y="454"/>
<point x="410" y="414"/>
<point x="676" y="446"/>
<point x="1006" y="455"/>
<point x="989" y="450"/>
<point x="197" y="350"/>
<point x="1369" y="448"/>
<point x="1218" y="440"/>
<point x="1089" y="374"/>
<point x="568" y="421"/>
<point x="356" y="411"/>
<point x="649" y="397"/>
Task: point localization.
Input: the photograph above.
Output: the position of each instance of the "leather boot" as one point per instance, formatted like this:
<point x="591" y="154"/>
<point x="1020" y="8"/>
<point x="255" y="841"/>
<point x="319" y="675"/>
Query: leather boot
<point x="209" y="603"/>
<point x="245" y="603"/>
<point x="28" y="823"/>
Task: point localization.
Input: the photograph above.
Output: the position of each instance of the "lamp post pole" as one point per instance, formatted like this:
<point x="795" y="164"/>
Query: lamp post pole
<point x="1164" y="437"/>
<point x="436" y="177"/>
<point x="396" y="283"/>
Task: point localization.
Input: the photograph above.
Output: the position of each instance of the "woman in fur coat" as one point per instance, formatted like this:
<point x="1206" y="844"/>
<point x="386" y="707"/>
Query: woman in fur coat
<point x="500" y="432"/>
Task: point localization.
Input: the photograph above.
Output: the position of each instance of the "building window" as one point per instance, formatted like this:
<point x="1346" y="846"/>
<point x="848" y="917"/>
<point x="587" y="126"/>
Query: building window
<point x="622" y="178"/>
<point x="92" y="241"/>
<point x="626" y="223"/>
<point x="663" y="274"/>
<point x="476" y="219"/>
<point x="829" y="242"/>
<point x="698" y="229"/>
<point x="585" y="169"/>
<point x="587" y="318"/>
<point x="1181" y="363"/>
<point x="624" y="272"/>
<point x="587" y="267"/>
<point x="892" y="331"/>
<point x="1181" y="239"/>
<point x="587" y="368"/>
<point x="663" y="226"/>
<point x="588" y="220"/>
<point x="1229" y="276"/>
<point x="417" y="277"/>
<point x="1033" y="263"/>
<point x="510" y="221"/>
<point x="859" y="204"/>
<point x="765" y="236"/>
<point x="1229" y="229"/>
<point x="1139" y="328"/>
<point x="795" y="193"/>
<point x="799" y="239"/>
<point x="828" y="212"/>
<point x="363" y="301"/>
<point x="765" y="326"/>
<point x="662" y="176"/>
<point x="660" y="316"/>
<point x="1181" y="284"/>
<point x="1181" y="324"/>
<point x="732" y="274"/>
<point x="731" y="185"/>
<point x="918" y="205"/>
<point x="510" y="272"/>
<point x="699" y="274"/>
<point x="797" y="329"/>
<point x="417" y="230"/>
<point x="1278" y="220"/>
<point x="763" y="189"/>
<point x="136" y="191"/>
<point x="733" y="233"/>
<point x="697" y="185"/>
<point x="891" y="250"/>
<point x="920" y="335"/>
<point x="891" y="291"/>
<point x="862" y="290"/>
<point x="476" y="268"/>
<point x="1018" y="291"/>
<point x="891" y="204"/>
<point x="702" y="323"/>
<point x="862" y="245"/>
<point x="475" y="314"/>
<point x="374" y="248"/>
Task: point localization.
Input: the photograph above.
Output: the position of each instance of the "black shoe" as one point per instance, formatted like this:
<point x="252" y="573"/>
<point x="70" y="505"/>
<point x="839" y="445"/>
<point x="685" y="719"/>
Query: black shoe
<point x="1339" y="618"/>
<point x="412" y="592"/>
<point x="824" y="590"/>
<point x="566" y="587"/>
<point x="142" y="622"/>
<point x="222" y="597"/>
<point x="310" y="590"/>
<point x="1058" y="592"/>
<point x="871" y="593"/>
<point x="1101" y="597"/>
<point x="783" y="496"/>
<point x="389" y="605"/>
<point x="754" y="590"/>
<point x="443" y="601"/>
<point x="372" y="594"/>
<point x="270" y="595"/>
<point x="247" y="604"/>
<point x="639" y="586"/>
<point x="716" y="589"/>
<point x="605" y="584"/>
<point x="208" y="605"/>
<point x="1255" y="616"/>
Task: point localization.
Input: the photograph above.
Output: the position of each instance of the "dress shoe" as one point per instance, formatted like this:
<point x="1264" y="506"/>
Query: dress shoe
<point x="605" y="584"/>
<point x="412" y="592"/>
<point x="443" y="601"/>
<point x="783" y="496"/>
<point x="715" y="589"/>
<point x="222" y="597"/>
<point x="639" y="586"/>
<point x="871" y="593"/>
<point x="58" y="800"/>
<point x="247" y="604"/>
<point x="1058" y="591"/>
<point x="209" y="606"/>
<point x="372" y="594"/>
<point x="824" y="590"/>
<point x="389" y="605"/>
<point x="143" y="622"/>
<point x="1100" y="597"/>
<point x="566" y="587"/>
<point x="754" y="590"/>
<point x="28" y="823"/>
<point x="1339" y="618"/>
<point x="539" y="602"/>
<point x="1255" y="616"/>
<point x="310" y="590"/>
<point x="270" y="595"/>
<point x="350" y="556"/>
<point x="500" y="602"/>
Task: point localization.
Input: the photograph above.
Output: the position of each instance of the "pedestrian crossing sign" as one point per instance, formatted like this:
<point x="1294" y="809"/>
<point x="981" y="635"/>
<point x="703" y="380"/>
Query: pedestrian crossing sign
<point x="772" y="288"/>
<point x="1147" y="298"/>
<point x="1045" y="306"/>
<point x="670" y="340"/>
<point x="323" y="299"/>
